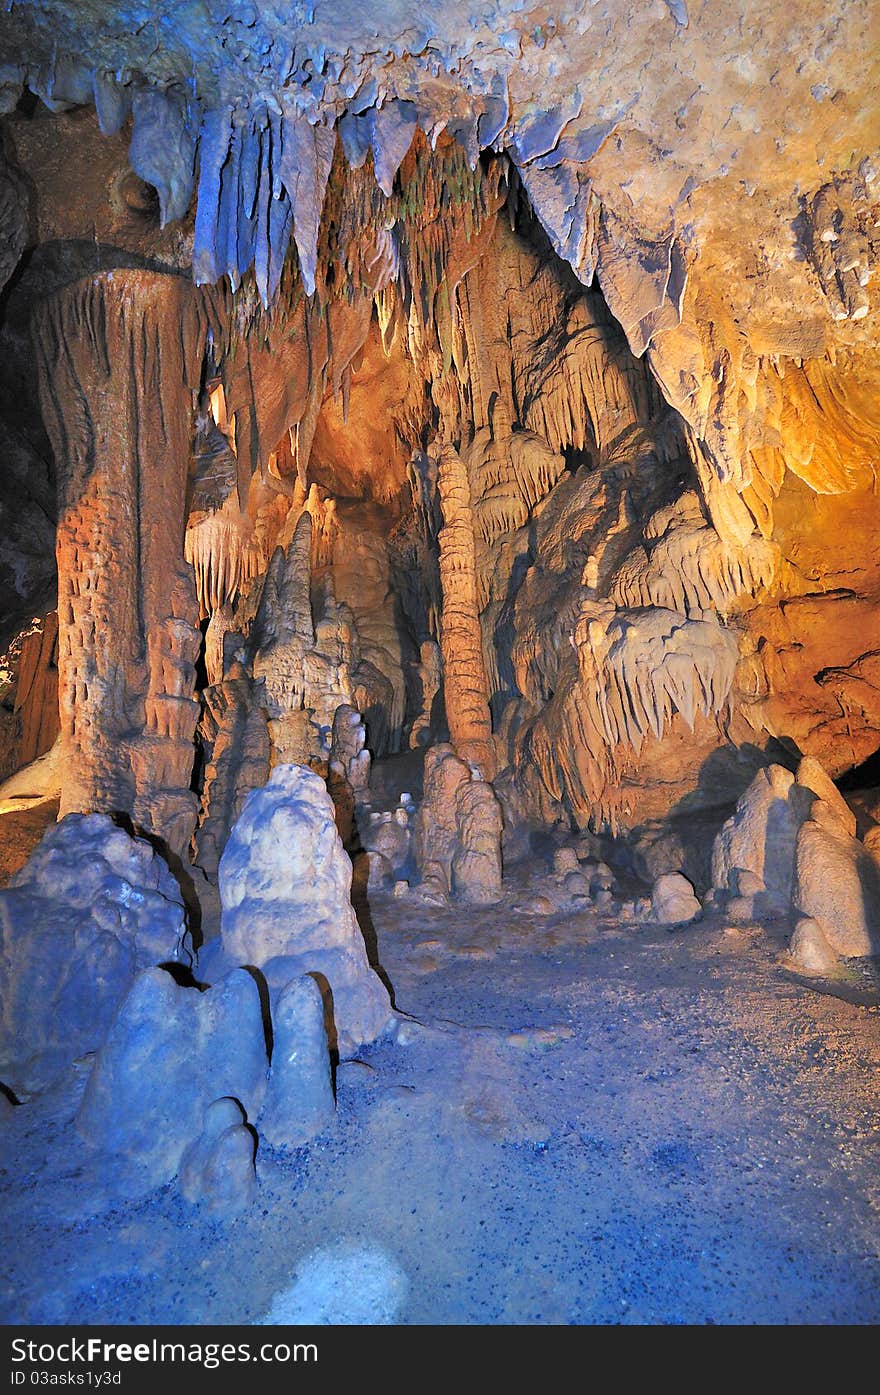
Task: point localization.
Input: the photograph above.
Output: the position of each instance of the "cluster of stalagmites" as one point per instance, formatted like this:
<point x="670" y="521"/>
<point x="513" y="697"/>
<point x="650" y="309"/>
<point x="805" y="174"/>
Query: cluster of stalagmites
<point x="191" y="1057"/>
<point x="791" y="847"/>
<point x="445" y="848"/>
<point x="290" y="679"/>
<point x="90" y="909"/>
<point x="787" y="855"/>
<point x="457" y="834"/>
<point x="193" y="1061"/>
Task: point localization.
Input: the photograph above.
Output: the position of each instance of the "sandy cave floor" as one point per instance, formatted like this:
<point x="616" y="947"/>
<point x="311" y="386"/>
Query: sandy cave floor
<point x="20" y="831"/>
<point x="594" y="1122"/>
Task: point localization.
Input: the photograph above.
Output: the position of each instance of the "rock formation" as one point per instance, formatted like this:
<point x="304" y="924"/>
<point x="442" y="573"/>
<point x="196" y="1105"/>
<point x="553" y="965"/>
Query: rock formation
<point x="235" y="740"/>
<point x="464" y="677"/>
<point x="284" y="883"/>
<point x="457" y="835"/>
<point x="430" y="679"/>
<point x="299" y="1097"/>
<point x="625" y="434"/>
<point x="91" y="908"/>
<point x="476" y="862"/>
<point x="106" y="347"/>
<point x="284" y="634"/>
<point x="439" y="497"/>
<point x="218" y="1168"/>
<point x="810" y="953"/>
<point x="673" y="901"/>
<point x="36" y="691"/>
<point x="791" y="845"/>
<point x="170" y="1053"/>
<point x="387" y="837"/>
<point x="363" y="582"/>
<point x="349" y="757"/>
<point x="837" y="884"/>
<point x="416" y="397"/>
<point x="182" y="1070"/>
<point x="761" y="837"/>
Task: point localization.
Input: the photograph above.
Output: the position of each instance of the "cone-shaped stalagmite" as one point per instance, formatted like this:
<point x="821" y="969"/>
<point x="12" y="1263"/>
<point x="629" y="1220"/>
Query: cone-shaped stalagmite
<point x="299" y="1098"/>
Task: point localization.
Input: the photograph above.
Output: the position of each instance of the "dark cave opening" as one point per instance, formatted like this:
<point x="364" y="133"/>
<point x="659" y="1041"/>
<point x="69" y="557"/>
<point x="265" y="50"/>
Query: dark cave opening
<point x="578" y="459"/>
<point x="864" y="776"/>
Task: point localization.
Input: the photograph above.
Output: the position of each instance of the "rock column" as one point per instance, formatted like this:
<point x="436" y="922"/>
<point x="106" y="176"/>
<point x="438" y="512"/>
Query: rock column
<point x="465" y="686"/>
<point x="120" y="355"/>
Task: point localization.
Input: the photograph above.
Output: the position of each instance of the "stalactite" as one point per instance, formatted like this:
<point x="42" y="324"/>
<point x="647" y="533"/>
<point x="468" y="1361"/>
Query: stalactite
<point x="663" y="664"/>
<point x="508" y="475"/>
<point x="634" y="670"/>
<point x="688" y="567"/>
<point x="220" y="550"/>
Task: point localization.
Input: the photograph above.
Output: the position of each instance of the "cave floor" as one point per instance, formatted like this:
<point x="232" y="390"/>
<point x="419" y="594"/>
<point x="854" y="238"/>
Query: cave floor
<point x="20" y="831"/>
<point x="587" y="1122"/>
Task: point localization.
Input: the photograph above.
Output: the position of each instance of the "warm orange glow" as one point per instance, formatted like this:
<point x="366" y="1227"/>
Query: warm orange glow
<point x="218" y="407"/>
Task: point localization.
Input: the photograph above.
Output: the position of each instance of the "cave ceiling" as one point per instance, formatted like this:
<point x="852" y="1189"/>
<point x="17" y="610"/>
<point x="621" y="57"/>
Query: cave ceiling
<point x="650" y="138"/>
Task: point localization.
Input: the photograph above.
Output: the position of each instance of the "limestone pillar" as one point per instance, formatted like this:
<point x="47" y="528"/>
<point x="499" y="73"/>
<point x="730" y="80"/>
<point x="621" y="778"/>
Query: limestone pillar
<point x="120" y="355"/>
<point x="465" y="686"/>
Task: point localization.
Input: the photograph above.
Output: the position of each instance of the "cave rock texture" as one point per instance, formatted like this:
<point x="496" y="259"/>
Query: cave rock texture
<point x="285" y="886"/>
<point x="171" y="1051"/>
<point x="90" y="909"/>
<point x="791" y="843"/>
<point x="489" y="395"/>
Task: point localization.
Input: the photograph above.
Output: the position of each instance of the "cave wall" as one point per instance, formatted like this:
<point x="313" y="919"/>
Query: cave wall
<point x="655" y="378"/>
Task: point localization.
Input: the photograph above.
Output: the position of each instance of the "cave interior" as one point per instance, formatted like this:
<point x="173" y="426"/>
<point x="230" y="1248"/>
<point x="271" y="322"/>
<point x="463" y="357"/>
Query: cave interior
<point x="439" y="663"/>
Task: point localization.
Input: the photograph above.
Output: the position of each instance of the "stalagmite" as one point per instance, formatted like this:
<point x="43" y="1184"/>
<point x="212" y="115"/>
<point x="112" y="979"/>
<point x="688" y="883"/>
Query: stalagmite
<point x="348" y="767"/>
<point x="431" y="678"/>
<point x="283" y="634"/>
<point x="347" y="748"/>
<point x="285" y="885"/>
<point x="476" y="863"/>
<point x="236" y="740"/>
